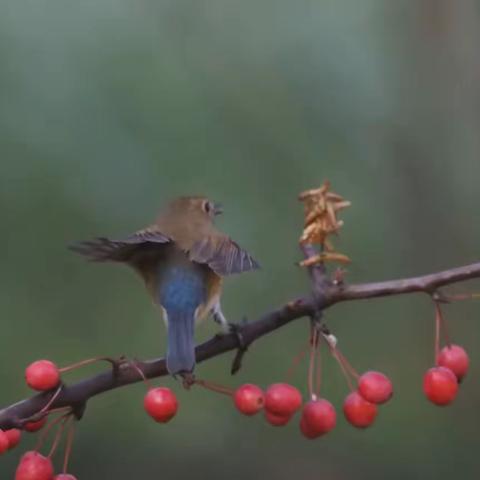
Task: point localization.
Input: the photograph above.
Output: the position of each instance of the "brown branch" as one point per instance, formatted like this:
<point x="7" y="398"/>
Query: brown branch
<point x="325" y="295"/>
<point x="425" y="283"/>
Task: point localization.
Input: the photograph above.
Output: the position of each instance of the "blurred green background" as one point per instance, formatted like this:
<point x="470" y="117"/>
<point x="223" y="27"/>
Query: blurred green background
<point x="109" y="108"/>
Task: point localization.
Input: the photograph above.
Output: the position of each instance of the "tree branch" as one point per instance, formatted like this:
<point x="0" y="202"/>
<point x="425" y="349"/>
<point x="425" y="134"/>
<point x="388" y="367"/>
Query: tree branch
<point x="325" y="294"/>
<point x="425" y="283"/>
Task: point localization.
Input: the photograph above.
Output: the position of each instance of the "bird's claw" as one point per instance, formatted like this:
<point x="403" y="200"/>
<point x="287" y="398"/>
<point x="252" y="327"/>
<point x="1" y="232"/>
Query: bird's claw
<point x="236" y="329"/>
<point x="188" y="379"/>
<point x="243" y="345"/>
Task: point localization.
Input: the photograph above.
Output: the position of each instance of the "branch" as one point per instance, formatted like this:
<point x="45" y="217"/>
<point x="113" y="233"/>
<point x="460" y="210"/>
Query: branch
<point x="325" y="294"/>
<point x="426" y="283"/>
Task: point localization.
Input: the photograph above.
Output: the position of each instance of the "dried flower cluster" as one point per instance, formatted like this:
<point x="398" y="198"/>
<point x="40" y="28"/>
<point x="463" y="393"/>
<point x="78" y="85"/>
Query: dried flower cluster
<point x="321" y="207"/>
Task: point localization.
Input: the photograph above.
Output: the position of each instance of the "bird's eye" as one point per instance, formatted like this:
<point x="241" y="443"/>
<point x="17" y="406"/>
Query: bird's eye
<point x="207" y="206"/>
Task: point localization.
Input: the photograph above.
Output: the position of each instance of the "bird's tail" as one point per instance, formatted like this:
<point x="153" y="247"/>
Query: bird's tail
<point x="181" y="342"/>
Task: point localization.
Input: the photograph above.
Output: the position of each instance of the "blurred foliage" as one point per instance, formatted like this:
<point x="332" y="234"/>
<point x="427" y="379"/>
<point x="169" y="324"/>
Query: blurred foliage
<point x="111" y="107"/>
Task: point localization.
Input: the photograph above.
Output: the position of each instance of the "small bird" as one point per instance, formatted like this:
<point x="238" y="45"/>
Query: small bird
<point x="182" y="258"/>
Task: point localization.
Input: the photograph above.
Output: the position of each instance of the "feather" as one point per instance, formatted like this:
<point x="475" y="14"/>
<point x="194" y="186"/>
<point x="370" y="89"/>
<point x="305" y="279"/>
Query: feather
<point x="181" y="343"/>
<point x="222" y="255"/>
<point x="103" y="249"/>
<point x="181" y="291"/>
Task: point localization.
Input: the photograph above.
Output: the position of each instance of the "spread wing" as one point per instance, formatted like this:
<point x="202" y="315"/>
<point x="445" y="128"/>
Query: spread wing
<point x="222" y="255"/>
<point x="104" y="249"/>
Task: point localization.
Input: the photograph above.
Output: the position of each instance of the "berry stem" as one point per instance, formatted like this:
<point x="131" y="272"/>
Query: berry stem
<point x="319" y="370"/>
<point x="440" y="327"/>
<point x="296" y="362"/>
<point x="88" y="361"/>
<point x="311" y="365"/>
<point x="139" y="370"/>
<point x="438" y="314"/>
<point x="52" y="399"/>
<point x="347" y="364"/>
<point x="214" y="387"/>
<point x="347" y="370"/>
<point x="446" y="335"/>
<point x="68" y="447"/>
<point x="58" y="436"/>
<point x="46" y="430"/>
<point x="462" y="296"/>
<point x="344" y="370"/>
<point x="59" y="409"/>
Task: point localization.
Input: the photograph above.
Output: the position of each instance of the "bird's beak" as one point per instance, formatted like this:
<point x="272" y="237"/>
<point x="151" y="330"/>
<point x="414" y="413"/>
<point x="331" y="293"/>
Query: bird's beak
<point x="217" y="208"/>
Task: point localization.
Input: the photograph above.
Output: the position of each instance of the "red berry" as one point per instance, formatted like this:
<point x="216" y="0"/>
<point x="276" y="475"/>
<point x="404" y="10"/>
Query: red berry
<point x="64" y="476"/>
<point x="375" y="387"/>
<point x="34" y="466"/>
<point x="276" y="420"/>
<point x="14" y="436"/>
<point x="358" y="411"/>
<point x="455" y="358"/>
<point x="282" y="399"/>
<point x="26" y="455"/>
<point x="35" y="426"/>
<point x="249" y="399"/>
<point x="161" y="404"/>
<point x="318" y="418"/>
<point x="4" y="443"/>
<point x="440" y="385"/>
<point x="42" y="375"/>
<point x="305" y="429"/>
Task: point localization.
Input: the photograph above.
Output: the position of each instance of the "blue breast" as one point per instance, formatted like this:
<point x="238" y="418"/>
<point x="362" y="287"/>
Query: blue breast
<point x="182" y="288"/>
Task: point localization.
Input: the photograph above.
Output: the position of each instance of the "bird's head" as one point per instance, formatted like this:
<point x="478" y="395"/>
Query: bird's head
<point x="198" y="207"/>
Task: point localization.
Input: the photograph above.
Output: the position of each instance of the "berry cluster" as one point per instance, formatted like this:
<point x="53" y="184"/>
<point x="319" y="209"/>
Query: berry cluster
<point x="279" y="402"/>
<point x="318" y="416"/>
<point x="9" y="439"/>
<point x="42" y="376"/>
<point x="441" y="383"/>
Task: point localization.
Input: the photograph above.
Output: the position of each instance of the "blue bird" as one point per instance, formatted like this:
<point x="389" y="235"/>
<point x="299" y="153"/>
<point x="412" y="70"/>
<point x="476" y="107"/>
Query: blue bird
<point x="182" y="258"/>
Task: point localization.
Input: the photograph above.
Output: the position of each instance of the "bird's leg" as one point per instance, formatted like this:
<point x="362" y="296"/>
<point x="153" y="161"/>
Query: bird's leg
<point x="242" y="346"/>
<point x="227" y="327"/>
<point x="219" y="318"/>
<point x="234" y="328"/>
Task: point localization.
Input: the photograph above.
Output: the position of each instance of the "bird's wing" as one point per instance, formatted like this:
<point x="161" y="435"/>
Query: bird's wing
<point x="104" y="249"/>
<point x="222" y="255"/>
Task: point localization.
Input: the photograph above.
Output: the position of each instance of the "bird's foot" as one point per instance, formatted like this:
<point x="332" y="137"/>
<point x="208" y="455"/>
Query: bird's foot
<point x="188" y="379"/>
<point x="236" y="329"/>
<point x="243" y="345"/>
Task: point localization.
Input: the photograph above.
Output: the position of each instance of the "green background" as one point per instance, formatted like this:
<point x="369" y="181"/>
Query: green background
<point x="108" y="108"/>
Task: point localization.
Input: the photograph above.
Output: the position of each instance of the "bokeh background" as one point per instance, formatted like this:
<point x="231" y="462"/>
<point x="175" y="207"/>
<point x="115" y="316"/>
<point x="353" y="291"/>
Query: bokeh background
<point x="109" y="108"/>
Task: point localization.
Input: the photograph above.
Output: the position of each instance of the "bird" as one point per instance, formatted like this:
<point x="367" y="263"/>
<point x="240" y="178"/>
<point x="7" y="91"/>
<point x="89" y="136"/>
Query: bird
<point x="182" y="258"/>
